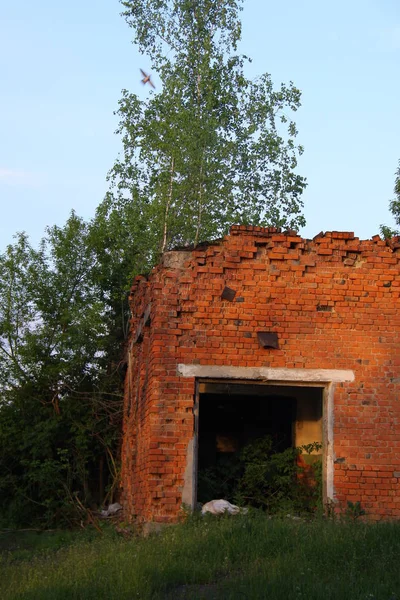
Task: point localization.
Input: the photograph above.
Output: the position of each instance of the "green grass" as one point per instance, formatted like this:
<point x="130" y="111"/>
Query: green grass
<point x="247" y="556"/>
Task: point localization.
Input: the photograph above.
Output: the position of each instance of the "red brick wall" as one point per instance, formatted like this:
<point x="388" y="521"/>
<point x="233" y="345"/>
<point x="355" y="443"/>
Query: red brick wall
<point x="334" y="303"/>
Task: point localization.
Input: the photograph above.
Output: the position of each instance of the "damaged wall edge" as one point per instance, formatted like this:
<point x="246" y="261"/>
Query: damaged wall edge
<point x="333" y="304"/>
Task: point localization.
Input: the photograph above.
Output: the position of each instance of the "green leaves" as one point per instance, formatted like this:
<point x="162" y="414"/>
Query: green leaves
<point x="211" y="148"/>
<point x="394" y="207"/>
<point x="60" y="339"/>
<point x="262" y="477"/>
<point x="163" y="26"/>
<point x="50" y="316"/>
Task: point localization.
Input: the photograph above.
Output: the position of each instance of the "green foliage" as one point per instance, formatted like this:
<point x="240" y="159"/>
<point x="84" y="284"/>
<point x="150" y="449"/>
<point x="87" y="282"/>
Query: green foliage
<point x="211" y="148"/>
<point x="264" y="478"/>
<point x="394" y="207"/>
<point x="59" y="402"/>
<point x="231" y="558"/>
<point x="354" y="510"/>
<point x="219" y="481"/>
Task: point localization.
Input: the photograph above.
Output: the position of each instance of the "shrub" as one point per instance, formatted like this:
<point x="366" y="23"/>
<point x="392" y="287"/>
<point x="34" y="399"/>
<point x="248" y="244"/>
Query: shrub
<point x="288" y="481"/>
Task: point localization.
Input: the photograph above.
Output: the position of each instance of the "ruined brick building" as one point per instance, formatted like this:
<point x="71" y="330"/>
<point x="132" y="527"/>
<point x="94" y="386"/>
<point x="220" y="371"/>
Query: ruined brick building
<point x="294" y="334"/>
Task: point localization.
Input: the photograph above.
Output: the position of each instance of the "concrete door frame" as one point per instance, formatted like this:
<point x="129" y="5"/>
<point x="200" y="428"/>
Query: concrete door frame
<point x="322" y="378"/>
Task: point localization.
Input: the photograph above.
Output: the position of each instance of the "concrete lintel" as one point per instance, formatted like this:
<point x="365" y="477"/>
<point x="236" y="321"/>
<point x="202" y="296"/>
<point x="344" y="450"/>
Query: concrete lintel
<point x="265" y="373"/>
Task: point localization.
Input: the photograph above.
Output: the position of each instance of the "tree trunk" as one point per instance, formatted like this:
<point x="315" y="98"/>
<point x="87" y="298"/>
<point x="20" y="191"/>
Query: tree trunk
<point x="167" y="207"/>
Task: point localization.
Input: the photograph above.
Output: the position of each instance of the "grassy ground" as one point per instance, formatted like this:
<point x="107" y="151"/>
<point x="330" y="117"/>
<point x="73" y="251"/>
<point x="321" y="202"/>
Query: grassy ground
<point x="241" y="557"/>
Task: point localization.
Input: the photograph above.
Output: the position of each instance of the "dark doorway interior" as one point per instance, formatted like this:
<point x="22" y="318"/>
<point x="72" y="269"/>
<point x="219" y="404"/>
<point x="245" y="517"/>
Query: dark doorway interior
<point x="231" y="416"/>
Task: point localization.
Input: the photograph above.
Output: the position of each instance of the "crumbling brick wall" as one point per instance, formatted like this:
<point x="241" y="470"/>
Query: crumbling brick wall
<point x="333" y="303"/>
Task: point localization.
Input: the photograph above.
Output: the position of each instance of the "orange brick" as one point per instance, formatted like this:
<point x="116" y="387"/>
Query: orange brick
<point x="331" y="305"/>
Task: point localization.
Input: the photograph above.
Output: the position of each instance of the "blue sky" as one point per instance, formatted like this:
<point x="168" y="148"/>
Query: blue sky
<point x="63" y="65"/>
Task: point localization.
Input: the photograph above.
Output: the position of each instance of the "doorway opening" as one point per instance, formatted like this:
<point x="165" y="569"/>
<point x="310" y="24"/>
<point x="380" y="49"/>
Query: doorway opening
<point x="251" y="429"/>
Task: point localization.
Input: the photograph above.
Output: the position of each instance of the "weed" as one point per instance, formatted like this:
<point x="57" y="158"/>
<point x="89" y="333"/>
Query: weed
<point x="230" y="558"/>
<point x="259" y="476"/>
<point x="354" y="510"/>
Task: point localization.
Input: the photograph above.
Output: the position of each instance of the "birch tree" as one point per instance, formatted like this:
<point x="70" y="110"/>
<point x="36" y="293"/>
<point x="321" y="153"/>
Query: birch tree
<point x="394" y="207"/>
<point x="209" y="148"/>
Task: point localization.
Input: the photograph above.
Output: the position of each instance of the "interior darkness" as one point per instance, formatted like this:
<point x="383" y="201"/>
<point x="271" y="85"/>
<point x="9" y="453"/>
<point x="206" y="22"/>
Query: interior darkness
<point x="228" y="423"/>
<point x="231" y="419"/>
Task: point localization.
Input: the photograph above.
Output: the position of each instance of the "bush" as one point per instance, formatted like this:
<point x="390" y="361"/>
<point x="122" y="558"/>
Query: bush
<point x="288" y="481"/>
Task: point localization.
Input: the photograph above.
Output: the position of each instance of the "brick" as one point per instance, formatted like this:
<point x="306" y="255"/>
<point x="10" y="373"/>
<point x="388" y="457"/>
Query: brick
<point x="280" y="280"/>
